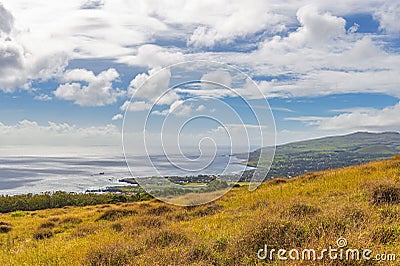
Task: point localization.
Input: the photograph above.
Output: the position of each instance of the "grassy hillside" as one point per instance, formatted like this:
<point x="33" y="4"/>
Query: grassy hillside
<point x="360" y="204"/>
<point x="328" y="153"/>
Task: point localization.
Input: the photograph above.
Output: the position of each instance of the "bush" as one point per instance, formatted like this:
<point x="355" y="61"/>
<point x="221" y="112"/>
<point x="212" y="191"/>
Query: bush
<point x="385" y="234"/>
<point x="220" y="244"/>
<point x="5" y="227"/>
<point x="115" y="214"/>
<point x="71" y="220"/>
<point x="47" y="225"/>
<point x="166" y="238"/>
<point x="114" y="254"/>
<point x="150" y="222"/>
<point x="301" y="210"/>
<point x="18" y="214"/>
<point x="259" y="204"/>
<point x="386" y="194"/>
<point x="117" y="227"/>
<point x="209" y="209"/>
<point x="159" y="210"/>
<point x="43" y="234"/>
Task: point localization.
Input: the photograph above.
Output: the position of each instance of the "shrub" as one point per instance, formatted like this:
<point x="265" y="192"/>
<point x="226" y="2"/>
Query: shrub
<point x="354" y="216"/>
<point x="259" y="204"/>
<point x="166" y="238"/>
<point x="220" y="244"/>
<point x="389" y="214"/>
<point x="276" y="234"/>
<point x="384" y="234"/>
<point x="115" y="214"/>
<point x="71" y="220"/>
<point x="5" y="227"/>
<point x="117" y="227"/>
<point x="18" y="214"/>
<point x="199" y="253"/>
<point x="83" y="231"/>
<point x="47" y="225"/>
<point x="301" y="210"/>
<point x="159" y="210"/>
<point x="386" y="194"/>
<point x="42" y="233"/>
<point x="209" y="209"/>
<point x="278" y="181"/>
<point x="114" y="254"/>
<point x="150" y="222"/>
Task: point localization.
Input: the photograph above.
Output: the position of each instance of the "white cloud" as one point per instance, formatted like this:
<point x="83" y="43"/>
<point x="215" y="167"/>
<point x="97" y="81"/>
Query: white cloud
<point x="179" y="108"/>
<point x="388" y="15"/>
<point x="376" y="119"/>
<point x="219" y="77"/>
<point x="6" y="21"/>
<point x="230" y="20"/>
<point x="93" y="4"/>
<point x="153" y="56"/>
<point x="201" y="108"/>
<point x="153" y="88"/>
<point x="357" y="119"/>
<point x="32" y="133"/>
<point x="135" y="106"/>
<point x="122" y="31"/>
<point x="43" y="97"/>
<point x="19" y="64"/>
<point x="354" y="28"/>
<point x="99" y="90"/>
<point x="316" y="28"/>
<point x="117" y="117"/>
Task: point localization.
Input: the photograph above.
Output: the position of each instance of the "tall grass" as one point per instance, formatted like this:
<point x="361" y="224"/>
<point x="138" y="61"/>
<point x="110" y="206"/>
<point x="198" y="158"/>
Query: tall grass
<point x="360" y="204"/>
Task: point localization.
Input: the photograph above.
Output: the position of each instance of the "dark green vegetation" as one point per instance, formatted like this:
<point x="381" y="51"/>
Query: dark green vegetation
<point x="328" y="153"/>
<point x="59" y="199"/>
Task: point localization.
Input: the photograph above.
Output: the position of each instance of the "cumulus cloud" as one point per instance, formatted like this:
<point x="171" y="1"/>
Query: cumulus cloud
<point x="219" y="77"/>
<point x="28" y="132"/>
<point x="153" y="56"/>
<point x="20" y="65"/>
<point x="6" y="20"/>
<point x="43" y="97"/>
<point x="102" y="30"/>
<point x="117" y="117"/>
<point x="135" y="106"/>
<point x="153" y="87"/>
<point x="305" y="63"/>
<point x="226" y="24"/>
<point x="178" y="108"/>
<point x="388" y="15"/>
<point x="99" y="90"/>
<point x="317" y="28"/>
<point x="201" y="108"/>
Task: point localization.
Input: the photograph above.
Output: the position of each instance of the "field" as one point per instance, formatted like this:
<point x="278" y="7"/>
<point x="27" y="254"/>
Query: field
<point x="360" y="204"/>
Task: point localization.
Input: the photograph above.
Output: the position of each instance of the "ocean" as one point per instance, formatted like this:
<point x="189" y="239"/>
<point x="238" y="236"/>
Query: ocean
<point x="74" y="172"/>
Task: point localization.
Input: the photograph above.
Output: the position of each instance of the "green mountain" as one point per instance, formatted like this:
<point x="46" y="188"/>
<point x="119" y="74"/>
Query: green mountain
<point x="327" y="153"/>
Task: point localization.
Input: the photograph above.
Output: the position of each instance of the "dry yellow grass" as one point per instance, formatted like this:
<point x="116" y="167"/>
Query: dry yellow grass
<point x="361" y="204"/>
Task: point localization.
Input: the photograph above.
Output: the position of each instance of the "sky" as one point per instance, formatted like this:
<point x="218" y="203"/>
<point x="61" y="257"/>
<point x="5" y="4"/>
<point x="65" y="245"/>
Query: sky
<point x="85" y="72"/>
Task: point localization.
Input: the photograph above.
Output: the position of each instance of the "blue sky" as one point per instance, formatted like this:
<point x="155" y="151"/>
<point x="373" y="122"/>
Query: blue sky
<point x="69" y="69"/>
